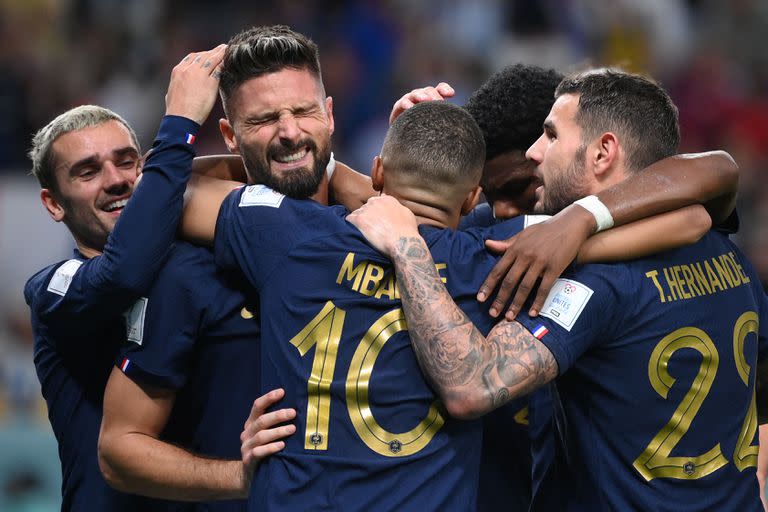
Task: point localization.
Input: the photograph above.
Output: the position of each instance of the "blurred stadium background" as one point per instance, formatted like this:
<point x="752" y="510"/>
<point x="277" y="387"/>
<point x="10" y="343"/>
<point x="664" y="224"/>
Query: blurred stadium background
<point x="56" y="54"/>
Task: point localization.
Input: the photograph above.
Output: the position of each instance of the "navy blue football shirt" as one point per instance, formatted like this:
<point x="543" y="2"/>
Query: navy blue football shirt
<point x="371" y="433"/>
<point x="197" y="333"/>
<point x="515" y="449"/>
<point x="77" y="315"/>
<point x="655" y="403"/>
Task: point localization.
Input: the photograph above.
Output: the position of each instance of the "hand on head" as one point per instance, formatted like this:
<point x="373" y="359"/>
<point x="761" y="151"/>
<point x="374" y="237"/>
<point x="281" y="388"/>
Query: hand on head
<point x="194" y="85"/>
<point x="437" y="93"/>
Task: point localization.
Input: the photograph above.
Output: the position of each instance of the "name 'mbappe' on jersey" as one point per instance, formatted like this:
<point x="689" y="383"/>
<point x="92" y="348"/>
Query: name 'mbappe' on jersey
<point x="370" y="431"/>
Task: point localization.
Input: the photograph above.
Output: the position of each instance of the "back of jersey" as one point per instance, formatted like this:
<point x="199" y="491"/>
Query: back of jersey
<point x="657" y="385"/>
<point x="371" y="434"/>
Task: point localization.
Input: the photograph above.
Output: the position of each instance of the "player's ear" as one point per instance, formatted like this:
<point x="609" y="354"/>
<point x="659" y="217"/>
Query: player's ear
<point x="54" y="207"/>
<point x="225" y="127"/>
<point x="605" y="154"/>
<point x="471" y="199"/>
<point x="377" y="174"/>
<point x="329" y="113"/>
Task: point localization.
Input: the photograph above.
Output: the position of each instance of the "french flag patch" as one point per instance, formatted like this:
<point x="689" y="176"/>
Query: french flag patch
<point x="125" y="364"/>
<point x="190" y="138"/>
<point x="539" y="332"/>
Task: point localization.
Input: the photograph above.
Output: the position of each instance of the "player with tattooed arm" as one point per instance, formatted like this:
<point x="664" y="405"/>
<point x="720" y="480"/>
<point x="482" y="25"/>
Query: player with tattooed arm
<point x="657" y="360"/>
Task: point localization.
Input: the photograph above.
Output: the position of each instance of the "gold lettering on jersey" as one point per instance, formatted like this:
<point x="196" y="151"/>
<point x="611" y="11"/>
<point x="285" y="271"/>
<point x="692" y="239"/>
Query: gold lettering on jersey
<point x="371" y="279"/>
<point x="350" y="271"/>
<point x="699" y="278"/>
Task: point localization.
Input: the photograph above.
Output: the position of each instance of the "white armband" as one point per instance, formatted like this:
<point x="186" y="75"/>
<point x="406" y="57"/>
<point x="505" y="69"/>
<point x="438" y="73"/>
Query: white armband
<point x="330" y="167"/>
<point x="599" y="211"/>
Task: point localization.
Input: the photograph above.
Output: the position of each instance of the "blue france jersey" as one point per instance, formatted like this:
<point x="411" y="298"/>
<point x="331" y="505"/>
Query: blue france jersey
<point x="197" y="333"/>
<point x="656" y="394"/>
<point x="77" y="311"/>
<point x="507" y="454"/>
<point x="371" y="433"/>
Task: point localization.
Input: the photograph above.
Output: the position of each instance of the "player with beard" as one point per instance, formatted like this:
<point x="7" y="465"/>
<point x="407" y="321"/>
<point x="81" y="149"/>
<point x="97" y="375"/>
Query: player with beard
<point x="190" y="371"/>
<point x="646" y="372"/>
<point x="87" y="161"/>
<point x="373" y="434"/>
<point x="510" y="108"/>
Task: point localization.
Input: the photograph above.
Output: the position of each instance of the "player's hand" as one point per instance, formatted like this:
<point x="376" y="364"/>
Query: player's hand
<point x="263" y="431"/>
<point x="436" y="93"/>
<point x="383" y="221"/>
<point x="194" y="85"/>
<point x="539" y="252"/>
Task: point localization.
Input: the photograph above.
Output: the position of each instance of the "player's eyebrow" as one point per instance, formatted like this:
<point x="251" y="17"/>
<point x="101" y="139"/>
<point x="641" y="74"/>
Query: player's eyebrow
<point x="549" y="126"/>
<point x="94" y="159"/>
<point x="126" y="151"/>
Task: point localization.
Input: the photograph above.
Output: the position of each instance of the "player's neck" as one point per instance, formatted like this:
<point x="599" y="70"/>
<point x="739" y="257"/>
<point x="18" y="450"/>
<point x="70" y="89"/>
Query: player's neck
<point x="432" y="215"/>
<point x="86" y="251"/>
<point x="321" y="196"/>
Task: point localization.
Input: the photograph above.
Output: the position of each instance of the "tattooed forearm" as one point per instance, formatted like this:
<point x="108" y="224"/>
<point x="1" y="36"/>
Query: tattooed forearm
<point x="439" y="330"/>
<point x="472" y="374"/>
<point x="523" y="363"/>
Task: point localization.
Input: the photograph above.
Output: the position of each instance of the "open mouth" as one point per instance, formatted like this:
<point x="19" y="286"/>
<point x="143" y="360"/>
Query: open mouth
<point x="292" y="157"/>
<point x="115" y="206"/>
<point x="297" y="158"/>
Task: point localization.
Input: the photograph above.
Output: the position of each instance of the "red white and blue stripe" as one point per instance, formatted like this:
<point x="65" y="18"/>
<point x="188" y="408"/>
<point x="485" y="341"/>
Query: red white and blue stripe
<point x="125" y="364"/>
<point x="190" y="138"/>
<point x="540" y="331"/>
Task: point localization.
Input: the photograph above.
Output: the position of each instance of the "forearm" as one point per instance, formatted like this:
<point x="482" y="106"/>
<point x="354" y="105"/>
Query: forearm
<point x="143" y="234"/>
<point x="202" y="202"/>
<point x="140" y="464"/>
<point x="223" y="167"/>
<point x="471" y="373"/>
<point x="647" y="236"/>
<point x="709" y="178"/>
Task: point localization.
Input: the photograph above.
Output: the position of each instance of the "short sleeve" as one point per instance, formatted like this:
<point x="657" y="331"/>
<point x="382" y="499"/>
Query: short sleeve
<point x="162" y="327"/>
<point x="581" y="310"/>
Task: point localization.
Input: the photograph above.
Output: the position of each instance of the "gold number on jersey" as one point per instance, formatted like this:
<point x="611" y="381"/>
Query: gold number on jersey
<point x="324" y="333"/>
<point x="655" y="460"/>
<point x="373" y="435"/>
<point x="745" y="453"/>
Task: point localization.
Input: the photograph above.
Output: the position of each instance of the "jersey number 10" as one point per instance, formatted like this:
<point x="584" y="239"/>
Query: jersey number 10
<point x="324" y="333"/>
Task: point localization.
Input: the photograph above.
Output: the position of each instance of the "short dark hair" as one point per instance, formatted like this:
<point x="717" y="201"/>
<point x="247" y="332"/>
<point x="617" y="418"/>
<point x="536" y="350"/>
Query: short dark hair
<point x="510" y="107"/>
<point x="634" y="107"/>
<point x="266" y="49"/>
<point x="435" y="142"/>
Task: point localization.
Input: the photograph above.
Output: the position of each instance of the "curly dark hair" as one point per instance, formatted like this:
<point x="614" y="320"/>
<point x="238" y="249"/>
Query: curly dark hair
<point x="511" y="106"/>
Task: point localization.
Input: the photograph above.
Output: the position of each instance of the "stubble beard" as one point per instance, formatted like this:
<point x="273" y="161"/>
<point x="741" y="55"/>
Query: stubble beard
<point x="564" y="187"/>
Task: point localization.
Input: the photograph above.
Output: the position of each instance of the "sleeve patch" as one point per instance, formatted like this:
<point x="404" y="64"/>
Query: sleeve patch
<point x="63" y="277"/>
<point x="260" y="195"/>
<point x="134" y="321"/>
<point x="565" y="302"/>
<point x="530" y="220"/>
